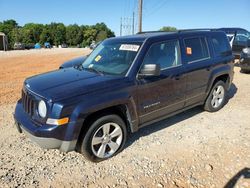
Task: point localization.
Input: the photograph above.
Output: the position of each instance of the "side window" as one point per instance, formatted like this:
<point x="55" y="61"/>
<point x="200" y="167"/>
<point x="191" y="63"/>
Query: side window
<point x="166" y="54"/>
<point x="241" y="38"/>
<point x="196" y="49"/>
<point x="220" y="44"/>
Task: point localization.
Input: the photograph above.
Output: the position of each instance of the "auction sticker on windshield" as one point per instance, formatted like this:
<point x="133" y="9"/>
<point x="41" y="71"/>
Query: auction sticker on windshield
<point x="129" y="47"/>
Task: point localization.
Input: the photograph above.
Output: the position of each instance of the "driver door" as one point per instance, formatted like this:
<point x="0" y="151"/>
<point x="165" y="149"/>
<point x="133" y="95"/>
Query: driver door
<point x="161" y="95"/>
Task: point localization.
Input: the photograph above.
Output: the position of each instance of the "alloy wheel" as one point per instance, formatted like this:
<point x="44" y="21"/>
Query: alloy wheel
<point x="106" y="140"/>
<point x="218" y="96"/>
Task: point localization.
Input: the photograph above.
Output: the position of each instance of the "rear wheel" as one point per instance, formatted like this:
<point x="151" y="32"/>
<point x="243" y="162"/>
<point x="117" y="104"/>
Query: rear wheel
<point x="216" y="98"/>
<point x="105" y="138"/>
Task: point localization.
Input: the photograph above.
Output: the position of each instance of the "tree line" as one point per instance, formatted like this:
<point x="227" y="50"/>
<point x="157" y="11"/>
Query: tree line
<point x="168" y="29"/>
<point x="54" y="33"/>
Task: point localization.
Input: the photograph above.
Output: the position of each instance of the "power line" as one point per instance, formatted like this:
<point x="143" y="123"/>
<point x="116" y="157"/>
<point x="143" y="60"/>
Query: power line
<point x="126" y="26"/>
<point x="156" y="8"/>
<point x="128" y="21"/>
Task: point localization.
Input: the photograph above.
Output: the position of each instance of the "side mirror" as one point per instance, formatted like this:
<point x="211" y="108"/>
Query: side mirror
<point x="150" y="70"/>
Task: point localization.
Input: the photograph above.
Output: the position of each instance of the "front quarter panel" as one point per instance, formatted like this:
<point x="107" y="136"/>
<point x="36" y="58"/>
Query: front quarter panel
<point x="101" y="100"/>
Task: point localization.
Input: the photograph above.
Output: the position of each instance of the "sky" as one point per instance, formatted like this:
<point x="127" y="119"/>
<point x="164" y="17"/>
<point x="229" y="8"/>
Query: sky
<point x="182" y="14"/>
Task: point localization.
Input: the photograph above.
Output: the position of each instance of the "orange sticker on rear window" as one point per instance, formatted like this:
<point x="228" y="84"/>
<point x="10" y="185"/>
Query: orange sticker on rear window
<point x="189" y="51"/>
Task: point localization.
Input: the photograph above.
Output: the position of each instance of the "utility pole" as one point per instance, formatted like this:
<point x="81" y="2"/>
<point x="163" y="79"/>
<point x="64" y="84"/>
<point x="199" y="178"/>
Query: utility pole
<point x="133" y="22"/>
<point x="140" y="2"/>
<point x="121" y="28"/>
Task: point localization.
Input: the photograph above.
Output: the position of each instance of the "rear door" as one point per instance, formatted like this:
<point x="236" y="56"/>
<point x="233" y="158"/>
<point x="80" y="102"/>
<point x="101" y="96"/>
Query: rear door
<point x="198" y="67"/>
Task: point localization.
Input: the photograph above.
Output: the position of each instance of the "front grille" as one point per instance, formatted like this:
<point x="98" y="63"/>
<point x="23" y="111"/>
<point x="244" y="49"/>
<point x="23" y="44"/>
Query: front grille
<point x="28" y="103"/>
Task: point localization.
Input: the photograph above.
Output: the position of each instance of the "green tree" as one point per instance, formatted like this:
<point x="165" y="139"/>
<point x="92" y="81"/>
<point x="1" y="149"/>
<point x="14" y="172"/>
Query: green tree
<point x="58" y="33"/>
<point x="73" y="35"/>
<point x="168" y="29"/>
<point x="32" y="32"/>
<point x="101" y="36"/>
<point x="17" y="34"/>
<point x="89" y="35"/>
<point x="46" y="35"/>
<point x="7" y="27"/>
<point x="103" y="27"/>
<point x="55" y="33"/>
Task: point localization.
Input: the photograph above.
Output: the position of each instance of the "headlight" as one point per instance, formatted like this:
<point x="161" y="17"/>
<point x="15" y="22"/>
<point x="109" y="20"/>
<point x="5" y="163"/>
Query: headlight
<point x="246" y="50"/>
<point x="42" y="109"/>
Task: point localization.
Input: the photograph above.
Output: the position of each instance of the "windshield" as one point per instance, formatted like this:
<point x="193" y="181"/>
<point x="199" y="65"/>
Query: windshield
<point x="112" y="57"/>
<point x="243" y="33"/>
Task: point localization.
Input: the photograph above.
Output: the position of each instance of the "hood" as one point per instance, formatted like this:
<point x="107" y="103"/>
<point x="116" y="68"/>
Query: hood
<point x="69" y="82"/>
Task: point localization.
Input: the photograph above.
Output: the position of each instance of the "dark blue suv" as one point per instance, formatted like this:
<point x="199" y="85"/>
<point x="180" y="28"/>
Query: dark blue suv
<point x="123" y="85"/>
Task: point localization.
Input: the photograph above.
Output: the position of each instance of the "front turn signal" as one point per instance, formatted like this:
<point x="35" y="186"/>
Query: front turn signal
<point x="62" y="121"/>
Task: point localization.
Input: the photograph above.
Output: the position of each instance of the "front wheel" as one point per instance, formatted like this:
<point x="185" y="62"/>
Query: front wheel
<point x="105" y="138"/>
<point x="216" y="98"/>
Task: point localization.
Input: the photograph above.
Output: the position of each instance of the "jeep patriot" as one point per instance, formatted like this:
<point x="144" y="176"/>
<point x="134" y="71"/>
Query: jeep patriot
<point x="124" y="84"/>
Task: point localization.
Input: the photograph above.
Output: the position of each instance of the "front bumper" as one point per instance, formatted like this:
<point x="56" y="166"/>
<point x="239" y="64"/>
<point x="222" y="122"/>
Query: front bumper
<point x="46" y="136"/>
<point x="245" y="63"/>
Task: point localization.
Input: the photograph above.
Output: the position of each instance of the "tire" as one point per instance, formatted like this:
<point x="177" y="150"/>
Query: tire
<point x="216" y="98"/>
<point x="105" y="138"/>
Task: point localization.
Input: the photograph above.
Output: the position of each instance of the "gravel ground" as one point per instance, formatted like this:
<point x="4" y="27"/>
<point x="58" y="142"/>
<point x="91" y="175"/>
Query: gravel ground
<point x="17" y="65"/>
<point x="192" y="149"/>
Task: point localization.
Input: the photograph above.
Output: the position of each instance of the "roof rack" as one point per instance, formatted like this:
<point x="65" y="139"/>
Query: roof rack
<point x="178" y="31"/>
<point x="200" y="29"/>
<point x="145" y="32"/>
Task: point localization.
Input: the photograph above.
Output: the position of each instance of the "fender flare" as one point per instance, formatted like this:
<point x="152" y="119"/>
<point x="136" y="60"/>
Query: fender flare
<point x="85" y="108"/>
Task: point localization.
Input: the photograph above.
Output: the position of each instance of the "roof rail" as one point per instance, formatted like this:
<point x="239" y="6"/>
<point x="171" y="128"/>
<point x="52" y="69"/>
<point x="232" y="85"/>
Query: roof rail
<point x="200" y="29"/>
<point x="179" y="31"/>
<point x="145" y="32"/>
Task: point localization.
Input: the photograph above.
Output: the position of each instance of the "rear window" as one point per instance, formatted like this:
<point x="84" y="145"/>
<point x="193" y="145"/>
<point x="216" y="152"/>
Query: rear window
<point x="196" y="49"/>
<point x="221" y="45"/>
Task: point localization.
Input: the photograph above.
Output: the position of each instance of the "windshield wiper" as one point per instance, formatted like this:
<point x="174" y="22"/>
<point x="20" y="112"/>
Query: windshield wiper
<point x="92" y="70"/>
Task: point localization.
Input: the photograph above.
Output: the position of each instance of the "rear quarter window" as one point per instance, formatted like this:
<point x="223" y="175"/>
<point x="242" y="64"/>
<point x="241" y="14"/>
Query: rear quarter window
<point x="196" y="49"/>
<point x="221" y="45"/>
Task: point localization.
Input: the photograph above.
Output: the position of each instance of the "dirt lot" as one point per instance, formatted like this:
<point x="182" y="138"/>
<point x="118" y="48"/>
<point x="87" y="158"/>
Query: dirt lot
<point x="192" y="149"/>
<point x="15" y="66"/>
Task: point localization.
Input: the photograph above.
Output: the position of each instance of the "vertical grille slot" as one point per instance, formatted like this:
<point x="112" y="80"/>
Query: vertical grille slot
<point x="28" y="103"/>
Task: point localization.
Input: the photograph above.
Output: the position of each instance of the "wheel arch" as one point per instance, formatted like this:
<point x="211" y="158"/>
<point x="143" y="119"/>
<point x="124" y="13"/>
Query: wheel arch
<point x="222" y="74"/>
<point x="224" y="77"/>
<point x="121" y="110"/>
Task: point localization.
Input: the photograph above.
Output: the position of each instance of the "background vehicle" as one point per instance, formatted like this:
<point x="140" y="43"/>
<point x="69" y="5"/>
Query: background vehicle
<point x="245" y="60"/>
<point x="37" y="46"/>
<point x="47" y="45"/>
<point x="92" y="45"/>
<point x="124" y="84"/>
<point x="76" y="61"/>
<point x="19" y="46"/>
<point x="64" y="46"/>
<point x="240" y="41"/>
<point x="29" y="46"/>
